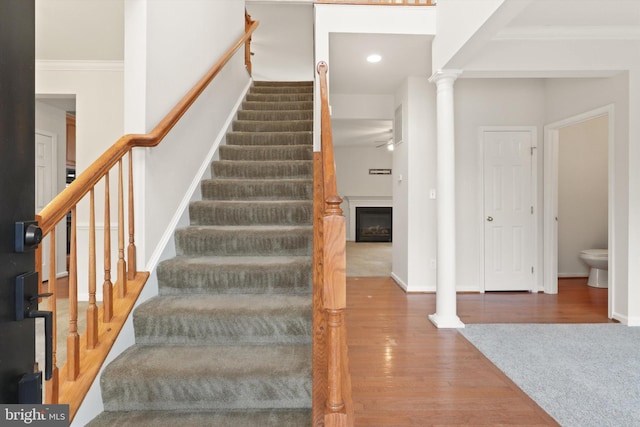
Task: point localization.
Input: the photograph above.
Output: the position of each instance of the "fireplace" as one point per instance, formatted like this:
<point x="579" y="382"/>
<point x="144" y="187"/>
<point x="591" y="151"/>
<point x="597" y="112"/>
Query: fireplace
<point x="373" y="224"/>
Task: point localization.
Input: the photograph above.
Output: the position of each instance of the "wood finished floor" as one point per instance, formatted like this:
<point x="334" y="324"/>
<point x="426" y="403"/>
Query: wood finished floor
<point x="406" y="372"/>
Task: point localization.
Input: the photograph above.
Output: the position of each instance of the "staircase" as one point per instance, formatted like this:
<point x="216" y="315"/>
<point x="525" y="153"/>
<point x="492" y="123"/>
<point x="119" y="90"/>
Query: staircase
<point x="228" y="340"/>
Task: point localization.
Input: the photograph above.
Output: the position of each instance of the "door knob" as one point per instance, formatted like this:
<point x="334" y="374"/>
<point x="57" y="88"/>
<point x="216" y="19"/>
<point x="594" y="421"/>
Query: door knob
<point x="489" y="218"/>
<point x="27" y="236"/>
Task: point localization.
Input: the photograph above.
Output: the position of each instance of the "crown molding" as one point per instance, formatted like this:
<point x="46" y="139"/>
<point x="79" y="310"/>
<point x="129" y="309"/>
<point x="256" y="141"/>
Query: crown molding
<point x="79" y="65"/>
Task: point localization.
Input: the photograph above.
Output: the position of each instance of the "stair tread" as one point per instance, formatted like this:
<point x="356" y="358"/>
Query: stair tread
<point x="254" y="203"/>
<point x="218" y="260"/>
<point x="201" y="361"/>
<point x="244" y="418"/>
<point x="212" y="304"/>
<point x="250" y="228"/>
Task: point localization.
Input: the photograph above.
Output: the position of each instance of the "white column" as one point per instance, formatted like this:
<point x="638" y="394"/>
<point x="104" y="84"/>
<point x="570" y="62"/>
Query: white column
<point x="445" y="315"/>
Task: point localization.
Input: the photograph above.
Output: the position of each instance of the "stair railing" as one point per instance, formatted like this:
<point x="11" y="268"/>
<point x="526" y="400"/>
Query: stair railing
<point x="70" y="383"/>
<point x="332" y="401"/>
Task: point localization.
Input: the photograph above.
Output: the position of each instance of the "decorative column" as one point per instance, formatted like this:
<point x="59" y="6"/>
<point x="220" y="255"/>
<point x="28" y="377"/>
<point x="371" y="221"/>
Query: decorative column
<point x="445" y="315"/>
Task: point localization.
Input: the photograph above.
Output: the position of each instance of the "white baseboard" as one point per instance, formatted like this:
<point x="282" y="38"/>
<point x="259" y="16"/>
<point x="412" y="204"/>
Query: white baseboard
<point x="581" y="274"/>
<point x="399" y="282"/>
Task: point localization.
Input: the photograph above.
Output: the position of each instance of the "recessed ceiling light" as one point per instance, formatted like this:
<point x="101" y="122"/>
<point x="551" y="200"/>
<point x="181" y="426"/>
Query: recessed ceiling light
<point x="373" y="58"/>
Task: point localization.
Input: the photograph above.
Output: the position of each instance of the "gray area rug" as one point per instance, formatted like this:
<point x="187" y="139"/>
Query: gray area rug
<point x="580" y="374"/>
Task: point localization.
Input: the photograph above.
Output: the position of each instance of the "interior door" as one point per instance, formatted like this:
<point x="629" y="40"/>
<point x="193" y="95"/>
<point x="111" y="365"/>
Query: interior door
<point x="508" y="211"/>
<point x="17" y="129"/>
<point x="45" y="183"/>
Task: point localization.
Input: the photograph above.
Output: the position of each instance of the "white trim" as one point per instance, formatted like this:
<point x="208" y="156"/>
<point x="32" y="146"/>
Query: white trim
<point x="154" y="259"/>
<point x="399" y="281"/>
<point x="79" y="65"/>
<point x="551" y="140"/>
<point x="572" y="275"/>
<point x="533" y="130"/>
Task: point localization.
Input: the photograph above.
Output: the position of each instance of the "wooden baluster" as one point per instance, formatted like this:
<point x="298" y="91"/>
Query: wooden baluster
<point x="51" y="386"/>
<point x="107" y="286"/>
<point x="73" y="339"/>
<point x="122" y="265"/>
<point x="92" y="310"/>
<point x="131" y="256"/>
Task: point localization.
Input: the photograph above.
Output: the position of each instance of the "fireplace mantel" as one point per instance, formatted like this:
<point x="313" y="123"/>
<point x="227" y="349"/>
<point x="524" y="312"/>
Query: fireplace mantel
<point x="353" y="202"/>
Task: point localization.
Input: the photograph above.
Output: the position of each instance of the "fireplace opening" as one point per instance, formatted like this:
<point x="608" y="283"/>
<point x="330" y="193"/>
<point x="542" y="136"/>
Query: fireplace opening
<point x="373" y="224"/>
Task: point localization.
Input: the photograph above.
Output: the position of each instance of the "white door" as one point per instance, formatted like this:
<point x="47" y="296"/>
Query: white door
<point x="45" y="183"/>
<point x="508" y="211"/>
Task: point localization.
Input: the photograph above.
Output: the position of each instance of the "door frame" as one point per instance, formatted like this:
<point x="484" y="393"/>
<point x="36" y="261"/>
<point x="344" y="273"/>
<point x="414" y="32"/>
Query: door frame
<point x="550" y="244"/>
<point x="533" y="130"/>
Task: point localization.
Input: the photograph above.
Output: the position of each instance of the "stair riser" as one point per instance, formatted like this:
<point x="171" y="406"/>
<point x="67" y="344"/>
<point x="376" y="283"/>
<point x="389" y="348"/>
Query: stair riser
<point x="282" y="89"/>
<point x="208" y="393"/>
<point x="271" y="83"/>
<point x="264" y="418"/>
<point x="272" y="126"/>
<point x="262" y="170"/>
<point x="257" y="190"/>
<point x="266" y="153"/>
<point x="270" y="105"/>
<point x="198" y="329"/>
<point x="176" y="279"/>
<point x="221" y="214"/>
<point x="292" y="97"/>
<point x="268" y="115"/>
<point x="270" y="138"/>
<point x="199" y="241"/>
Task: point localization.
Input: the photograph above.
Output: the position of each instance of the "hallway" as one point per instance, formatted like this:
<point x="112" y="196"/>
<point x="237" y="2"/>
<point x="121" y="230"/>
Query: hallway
<point x="405" y="372"/>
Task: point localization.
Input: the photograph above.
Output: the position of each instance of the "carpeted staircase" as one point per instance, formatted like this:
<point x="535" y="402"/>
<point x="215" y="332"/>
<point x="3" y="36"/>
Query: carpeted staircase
<point x="228" y="340"/>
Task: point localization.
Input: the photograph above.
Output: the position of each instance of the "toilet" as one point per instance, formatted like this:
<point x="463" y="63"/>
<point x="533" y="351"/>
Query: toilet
<point x="598" y="261"/>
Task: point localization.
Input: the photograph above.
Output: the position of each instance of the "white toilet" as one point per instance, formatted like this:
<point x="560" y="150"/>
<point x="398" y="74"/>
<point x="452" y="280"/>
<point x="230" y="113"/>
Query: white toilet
<point x="598" y="260"/>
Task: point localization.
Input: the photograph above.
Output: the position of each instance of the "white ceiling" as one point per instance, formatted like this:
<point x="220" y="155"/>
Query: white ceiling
<point x="402" y="56"/>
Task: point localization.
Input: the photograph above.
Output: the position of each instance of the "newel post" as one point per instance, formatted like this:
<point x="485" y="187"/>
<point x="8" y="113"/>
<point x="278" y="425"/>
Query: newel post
<point x="334" y="298"/>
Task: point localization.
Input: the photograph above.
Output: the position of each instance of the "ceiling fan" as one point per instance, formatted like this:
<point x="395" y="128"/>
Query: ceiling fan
<point x="388" y="142"/>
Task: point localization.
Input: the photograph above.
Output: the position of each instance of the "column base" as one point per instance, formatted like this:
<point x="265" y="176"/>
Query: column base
<point x="446" y="322"/>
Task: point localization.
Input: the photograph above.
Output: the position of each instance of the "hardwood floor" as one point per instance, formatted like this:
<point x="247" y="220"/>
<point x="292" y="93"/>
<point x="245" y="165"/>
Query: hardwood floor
<point x="406" y="372"/>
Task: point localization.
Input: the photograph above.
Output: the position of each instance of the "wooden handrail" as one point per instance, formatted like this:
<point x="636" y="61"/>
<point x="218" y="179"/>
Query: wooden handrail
<point x="70" y="196"/>
<point x="333" y="407"/>
<point x="104" y="322"/>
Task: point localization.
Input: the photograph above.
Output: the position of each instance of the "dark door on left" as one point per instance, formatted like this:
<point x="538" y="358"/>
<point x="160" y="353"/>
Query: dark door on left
<point x="17" y="185"/>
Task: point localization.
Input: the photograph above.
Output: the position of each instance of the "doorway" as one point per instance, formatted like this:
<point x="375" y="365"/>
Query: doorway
<point x="552" y="194"/>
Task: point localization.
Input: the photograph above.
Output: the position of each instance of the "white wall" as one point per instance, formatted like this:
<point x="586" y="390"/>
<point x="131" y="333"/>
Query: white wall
<point x="414" y="172"/>
<point x="486" y="102"/>
<point x="282" y="52"/>
<point x="582" y="193"/>
<point x="80" y="29"/>
<point x="352" y="170"/>
<point x="178" y="42"/>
